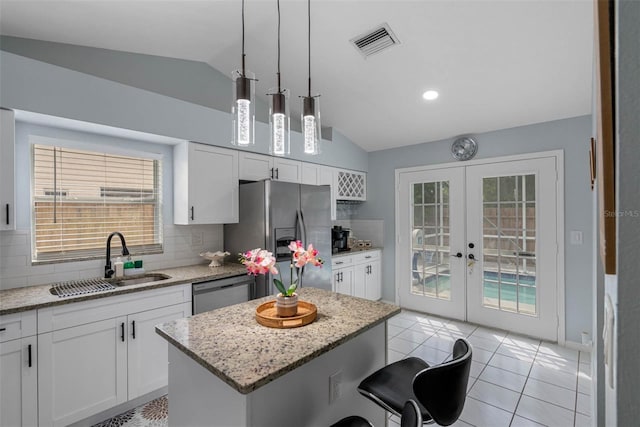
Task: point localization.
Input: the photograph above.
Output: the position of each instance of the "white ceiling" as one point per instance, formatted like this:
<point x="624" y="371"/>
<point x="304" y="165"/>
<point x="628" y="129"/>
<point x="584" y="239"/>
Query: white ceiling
<point x="496" y="64"/>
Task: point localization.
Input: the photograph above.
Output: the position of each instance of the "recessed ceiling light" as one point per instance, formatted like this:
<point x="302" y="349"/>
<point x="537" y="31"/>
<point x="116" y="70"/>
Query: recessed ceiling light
<point x="430" y="95"/>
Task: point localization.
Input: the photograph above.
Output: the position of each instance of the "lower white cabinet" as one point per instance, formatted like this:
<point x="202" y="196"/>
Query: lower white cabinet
<point x="18" y="370"/>
<point x="358" y="274"/>
<point x="101" y="353"/>
<point x="82" y="371"/>
<point x="147" y="351"/>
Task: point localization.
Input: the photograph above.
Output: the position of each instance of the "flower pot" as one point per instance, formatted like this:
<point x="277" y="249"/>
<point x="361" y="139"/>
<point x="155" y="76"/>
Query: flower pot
<point x="286" y="306"/>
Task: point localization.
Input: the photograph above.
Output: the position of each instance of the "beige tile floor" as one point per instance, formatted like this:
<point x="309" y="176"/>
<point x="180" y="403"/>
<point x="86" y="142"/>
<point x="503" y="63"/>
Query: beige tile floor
<point x="514" y="380"/>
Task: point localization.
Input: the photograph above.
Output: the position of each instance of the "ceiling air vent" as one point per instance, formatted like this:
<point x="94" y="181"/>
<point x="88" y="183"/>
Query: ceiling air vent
<point x="376" y="40"/>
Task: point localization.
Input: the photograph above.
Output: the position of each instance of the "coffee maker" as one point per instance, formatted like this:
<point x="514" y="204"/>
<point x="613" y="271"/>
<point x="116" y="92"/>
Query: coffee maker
<point x="339" y="239"/>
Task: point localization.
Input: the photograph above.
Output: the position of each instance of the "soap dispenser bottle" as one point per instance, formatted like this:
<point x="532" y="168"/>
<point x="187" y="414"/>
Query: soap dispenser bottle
<point x="119" y="267"/>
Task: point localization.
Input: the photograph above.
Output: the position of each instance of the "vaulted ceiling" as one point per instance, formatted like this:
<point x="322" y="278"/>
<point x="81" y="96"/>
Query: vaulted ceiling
<point x="495" y="63"/>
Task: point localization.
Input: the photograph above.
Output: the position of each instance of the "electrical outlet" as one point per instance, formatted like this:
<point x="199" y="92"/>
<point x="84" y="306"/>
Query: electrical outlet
<point x="197" y="238"/>
<point x="335" y="386"/>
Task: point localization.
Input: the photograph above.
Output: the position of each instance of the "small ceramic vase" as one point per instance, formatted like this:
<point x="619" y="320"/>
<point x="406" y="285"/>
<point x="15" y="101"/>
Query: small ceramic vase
<point x="286" y="306"/>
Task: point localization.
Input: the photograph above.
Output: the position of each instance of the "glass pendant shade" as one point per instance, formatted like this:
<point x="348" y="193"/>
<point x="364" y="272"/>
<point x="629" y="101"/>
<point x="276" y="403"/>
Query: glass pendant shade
<point x="279" y="123"/>
<point x="311" y="124"/>
<point x="243" y="108"/>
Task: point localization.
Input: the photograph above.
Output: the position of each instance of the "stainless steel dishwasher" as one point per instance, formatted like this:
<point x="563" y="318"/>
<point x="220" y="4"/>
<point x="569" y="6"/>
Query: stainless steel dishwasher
<point x="212" y="294"/>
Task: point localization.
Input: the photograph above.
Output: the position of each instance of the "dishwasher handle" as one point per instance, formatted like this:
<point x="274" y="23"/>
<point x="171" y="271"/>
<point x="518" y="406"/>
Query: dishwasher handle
<point x="222" y="283"/>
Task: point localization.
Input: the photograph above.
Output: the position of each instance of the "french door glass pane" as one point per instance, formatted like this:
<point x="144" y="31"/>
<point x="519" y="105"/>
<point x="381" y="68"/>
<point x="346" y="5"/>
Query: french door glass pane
<point x="430" y="240"/>
<point x="509" y="249"/>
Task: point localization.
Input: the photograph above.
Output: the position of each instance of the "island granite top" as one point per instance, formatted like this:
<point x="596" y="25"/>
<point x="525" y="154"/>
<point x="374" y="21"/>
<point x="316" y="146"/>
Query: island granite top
<point x="232" y="345"/>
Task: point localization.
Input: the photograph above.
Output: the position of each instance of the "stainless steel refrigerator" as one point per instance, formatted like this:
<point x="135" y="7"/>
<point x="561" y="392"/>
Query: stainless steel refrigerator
<point x="272" y="214"/>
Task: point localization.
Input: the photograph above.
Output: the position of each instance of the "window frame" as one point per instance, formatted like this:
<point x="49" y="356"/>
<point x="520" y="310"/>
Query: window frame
<point x="99" y="148"/>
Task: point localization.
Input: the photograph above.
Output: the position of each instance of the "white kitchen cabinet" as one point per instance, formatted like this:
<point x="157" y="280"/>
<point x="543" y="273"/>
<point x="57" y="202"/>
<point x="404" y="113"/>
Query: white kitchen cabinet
<point x="350" y="185"/>
<point x="205" y="189"/>
<point x="147" y="351"/>
<point x="19" y="370"/>
<point x="367" y="275"/>
<point x="7" y="169"/>
<point x="310" y="174"/>
<point x="287" y="170"/>
<point x="82" y="371"/>
<point x="100" y="353"/>
<point x="326" y="177"/>
<point x="343" y="273"/>
<point x="255" y="167"/>
<point x="358" y="274"/>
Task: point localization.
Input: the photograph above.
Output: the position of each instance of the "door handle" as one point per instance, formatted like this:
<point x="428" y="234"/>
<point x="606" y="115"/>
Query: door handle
<point x="29" y="351"/>
<point x="192" y="209"/>
<point x="7" y="207"/>
<point x="471" y="256"/>
<point x="271" y="170"/>
<point x="133" y="329"/>
<point x="122" y="331"/>
<point x="277" y="173"/>
<point x="458" y="255"/>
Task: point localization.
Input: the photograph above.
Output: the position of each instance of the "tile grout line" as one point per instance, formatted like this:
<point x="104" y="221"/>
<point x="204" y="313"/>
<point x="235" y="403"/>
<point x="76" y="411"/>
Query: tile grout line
<point x="513" y="416"/>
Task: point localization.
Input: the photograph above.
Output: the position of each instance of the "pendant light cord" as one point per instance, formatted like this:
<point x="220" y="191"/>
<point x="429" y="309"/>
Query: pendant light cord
<point x="243" y="54"/>
<point x="309" y="42"/>
<point x="278" y="3"/>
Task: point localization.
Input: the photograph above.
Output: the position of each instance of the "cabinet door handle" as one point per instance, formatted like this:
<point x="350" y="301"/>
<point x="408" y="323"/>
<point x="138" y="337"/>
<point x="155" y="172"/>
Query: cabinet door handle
<point x="368" y="256"/>
<point x="122" y="331"/>
<point x="3" y="329"/>
<point x="133" y="329"/>
<point x="7" y="207"/>
<point x="29" y="352"/>
<point x="339" y="262"/>
<point x="192" y="209"/>
<point x="277" y="173"/>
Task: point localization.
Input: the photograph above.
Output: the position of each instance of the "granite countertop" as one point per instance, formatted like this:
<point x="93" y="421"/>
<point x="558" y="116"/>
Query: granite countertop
<point x="33" y="297"/>
<point x="232" y="345"/>
<point x="355" y="251"/>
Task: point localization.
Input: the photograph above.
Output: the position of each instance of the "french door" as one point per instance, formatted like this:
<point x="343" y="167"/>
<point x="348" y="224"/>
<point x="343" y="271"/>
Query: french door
<point x="479" y="243"/>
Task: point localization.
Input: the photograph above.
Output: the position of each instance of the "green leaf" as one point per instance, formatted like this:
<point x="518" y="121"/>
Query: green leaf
<point x="280" y="286"/>
<point x="292" y="288"/>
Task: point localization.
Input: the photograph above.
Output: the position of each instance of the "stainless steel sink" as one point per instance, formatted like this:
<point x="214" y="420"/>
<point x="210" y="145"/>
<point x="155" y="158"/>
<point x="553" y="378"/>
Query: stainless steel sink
<point x="138" y="279"/>
<point x="88" y="286"/>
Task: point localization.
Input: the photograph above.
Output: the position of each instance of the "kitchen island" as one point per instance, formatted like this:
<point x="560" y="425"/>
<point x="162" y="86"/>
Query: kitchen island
<point x="225" y="369"/>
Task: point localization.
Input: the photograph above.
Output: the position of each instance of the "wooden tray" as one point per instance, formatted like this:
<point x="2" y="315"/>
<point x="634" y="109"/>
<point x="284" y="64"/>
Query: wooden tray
<point x="266" y="315"/>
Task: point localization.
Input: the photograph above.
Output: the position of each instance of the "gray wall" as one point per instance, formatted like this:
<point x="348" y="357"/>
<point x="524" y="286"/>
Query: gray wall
<point x="191" y="81"/>
<point x="36" y="86"/>
<point x="571" y="135"/>
<point x="628" y="210"/>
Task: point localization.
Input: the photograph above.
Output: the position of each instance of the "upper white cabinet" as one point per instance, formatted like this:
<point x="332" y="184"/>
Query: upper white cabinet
<point x="19" y="370"/>
<point x="327" y="177"/>
<point x="287" y="170"/>
<point x="351" y="185"/>
<point x="7" y="169"/>
<point x="311" y="174"/>
<point x="205" y="189"/>
<point x="255" y="167"/>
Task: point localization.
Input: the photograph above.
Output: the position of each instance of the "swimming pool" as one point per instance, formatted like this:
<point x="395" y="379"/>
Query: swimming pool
<point x="504" y="285"/>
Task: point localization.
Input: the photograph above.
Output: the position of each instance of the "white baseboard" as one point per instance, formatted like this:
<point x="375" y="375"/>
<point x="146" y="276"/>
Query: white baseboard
<point x="588" y="348"/>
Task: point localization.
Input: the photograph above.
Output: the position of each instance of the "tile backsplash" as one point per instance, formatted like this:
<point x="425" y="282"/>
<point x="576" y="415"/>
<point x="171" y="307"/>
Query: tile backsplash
<point x="182" y="246"/>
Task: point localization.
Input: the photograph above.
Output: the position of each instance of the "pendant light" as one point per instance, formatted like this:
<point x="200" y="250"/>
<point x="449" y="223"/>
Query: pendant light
<point x="243" y="108"/>
<point x="310" y="108"/>
<point x="279" y="118"/>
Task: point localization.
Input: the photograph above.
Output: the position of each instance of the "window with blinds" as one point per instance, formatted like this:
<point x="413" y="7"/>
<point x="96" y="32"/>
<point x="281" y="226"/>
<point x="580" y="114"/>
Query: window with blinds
<point x="80" y="197"/>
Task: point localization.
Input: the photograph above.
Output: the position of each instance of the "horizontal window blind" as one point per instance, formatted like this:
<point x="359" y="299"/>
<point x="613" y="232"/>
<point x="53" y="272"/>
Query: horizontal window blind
<point x="80" y="197"/>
